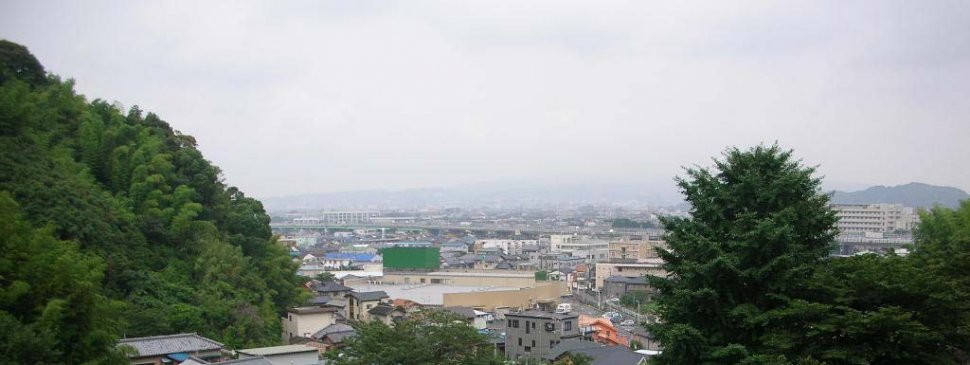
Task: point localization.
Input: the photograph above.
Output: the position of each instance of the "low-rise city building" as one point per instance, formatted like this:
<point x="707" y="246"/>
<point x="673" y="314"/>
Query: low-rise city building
<point x="385" y="313"/>
<point x="591" y="249"/>
<point x="509" y="247"/>
<point x="533" y="334"/>
<point x="633" y="249"/>
<point x="617" y="286"/>
<point x="333" y="336"/>
<point x="304" y="321"/>
<point x="359" y="303"/>
<point x="629" y="268"/>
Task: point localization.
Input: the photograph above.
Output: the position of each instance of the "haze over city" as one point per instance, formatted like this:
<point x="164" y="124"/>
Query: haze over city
<point x="307" y="97"/>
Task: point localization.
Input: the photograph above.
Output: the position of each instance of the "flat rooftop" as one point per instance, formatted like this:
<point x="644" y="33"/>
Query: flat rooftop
<point x="430" y="294"/>
<point x="472" y="273"/>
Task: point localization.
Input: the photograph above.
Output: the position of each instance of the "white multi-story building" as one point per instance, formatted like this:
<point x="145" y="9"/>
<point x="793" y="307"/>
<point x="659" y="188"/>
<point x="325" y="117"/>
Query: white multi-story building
<point x="875" y="218"/>
<point x="510" y="247"/>
<point x="580" y="246"/>
<point x="348" y="217"/>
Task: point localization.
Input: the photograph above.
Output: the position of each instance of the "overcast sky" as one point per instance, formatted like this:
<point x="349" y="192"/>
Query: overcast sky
<point x="323" y="96"/>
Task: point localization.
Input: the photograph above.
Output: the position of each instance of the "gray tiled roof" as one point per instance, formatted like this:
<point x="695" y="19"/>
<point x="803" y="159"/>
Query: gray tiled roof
<point x="330" y="287"/>
<point x="466" y="312"/>
<point x="602" y="355"/>
<point x="382" y="310"/>
<point x="340" y="337"/>
<point x="333" y="328"/>
<point x="312" y="310"/>
<point x="319" y="300"/>
<point x="170" y="344"/>
<point x="626" y="279"/>
<point x="368" y="296"/>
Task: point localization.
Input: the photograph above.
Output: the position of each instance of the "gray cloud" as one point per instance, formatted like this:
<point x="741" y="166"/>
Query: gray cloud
<point x="314" y="96"/>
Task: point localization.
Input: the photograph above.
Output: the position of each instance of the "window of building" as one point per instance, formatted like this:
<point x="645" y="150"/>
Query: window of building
<point x="520" y="341"/>
<point x="533" y="343"/>
<point x="567" y="325"/>
<point x="528" y="349"/>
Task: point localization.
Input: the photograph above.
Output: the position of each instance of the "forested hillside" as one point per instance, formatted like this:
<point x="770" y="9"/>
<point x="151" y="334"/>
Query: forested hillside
<point x="114" y="224"/>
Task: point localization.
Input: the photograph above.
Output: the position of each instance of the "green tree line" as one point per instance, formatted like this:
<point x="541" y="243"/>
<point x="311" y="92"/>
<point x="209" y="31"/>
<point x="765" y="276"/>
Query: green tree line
<point x="114" y="224"/>
<point x="752" y="280"/>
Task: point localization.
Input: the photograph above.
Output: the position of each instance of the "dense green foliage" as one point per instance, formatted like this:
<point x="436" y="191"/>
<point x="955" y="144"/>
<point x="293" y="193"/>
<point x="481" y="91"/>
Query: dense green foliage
<point x="752" y="283"/>
<point x="53" y="308"/>
<point x="429" y="337"/>
<point x="635" y="299"/>
<point x="758" y="226"/>
<point x="156" y="228"/>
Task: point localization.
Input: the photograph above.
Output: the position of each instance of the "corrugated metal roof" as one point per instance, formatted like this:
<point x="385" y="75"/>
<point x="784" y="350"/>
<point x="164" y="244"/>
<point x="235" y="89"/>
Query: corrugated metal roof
<point x="170" y="344"/>
<point x="278" y="350"/>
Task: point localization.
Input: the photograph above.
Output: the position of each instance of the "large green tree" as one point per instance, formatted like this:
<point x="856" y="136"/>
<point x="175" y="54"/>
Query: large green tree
<point x="431" y="337"/>
<point x="758" y="227"/>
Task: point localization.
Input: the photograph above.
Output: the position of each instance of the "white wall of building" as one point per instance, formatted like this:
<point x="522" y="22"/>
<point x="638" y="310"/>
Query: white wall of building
<point x="510" y="247"/>
<point x="304" y="325"/>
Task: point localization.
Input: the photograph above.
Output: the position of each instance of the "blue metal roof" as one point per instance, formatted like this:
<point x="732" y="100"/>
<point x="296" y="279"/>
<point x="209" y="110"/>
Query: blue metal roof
<point x="357" y="257"/>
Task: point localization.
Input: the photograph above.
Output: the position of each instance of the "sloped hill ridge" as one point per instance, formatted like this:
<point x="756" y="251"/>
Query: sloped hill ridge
<point x="913" y="195"/>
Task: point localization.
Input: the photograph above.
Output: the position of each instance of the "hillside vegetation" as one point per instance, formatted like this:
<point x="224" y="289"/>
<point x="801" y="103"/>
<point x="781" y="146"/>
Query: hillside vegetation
<point x="114" y="224"/>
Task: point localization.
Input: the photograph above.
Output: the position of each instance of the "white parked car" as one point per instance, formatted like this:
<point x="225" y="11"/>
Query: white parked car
<point x="564" y="308"/>
<point x="628" y="322"/>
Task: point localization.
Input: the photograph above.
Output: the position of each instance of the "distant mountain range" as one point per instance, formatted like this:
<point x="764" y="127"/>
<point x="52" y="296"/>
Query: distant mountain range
<point x="912" y="195"/>
<point x="499" y="194"/>
<point x="549" y="195"/>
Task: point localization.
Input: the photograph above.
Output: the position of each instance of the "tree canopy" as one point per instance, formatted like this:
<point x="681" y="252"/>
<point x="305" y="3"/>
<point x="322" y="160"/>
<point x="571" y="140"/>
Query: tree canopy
<point x="428" y="337"/>
<point x="751" y="280"/>
<point x="758" y="225"/>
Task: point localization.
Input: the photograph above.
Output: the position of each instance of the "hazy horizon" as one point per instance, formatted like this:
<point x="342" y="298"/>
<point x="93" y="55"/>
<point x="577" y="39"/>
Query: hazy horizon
<point x="317" y="97"/>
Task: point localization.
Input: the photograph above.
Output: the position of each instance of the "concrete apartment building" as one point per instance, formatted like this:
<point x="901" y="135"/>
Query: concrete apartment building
<point x="633" y="249"/>
<point x="628" y="268"/>
<point x="360" y="303"/>
<point x="509" y="247"/>
<point x="304" y="321"/>
<point x="874" y="218"/>
<point x="533" y="334"/>
<point x="580" y="246"/>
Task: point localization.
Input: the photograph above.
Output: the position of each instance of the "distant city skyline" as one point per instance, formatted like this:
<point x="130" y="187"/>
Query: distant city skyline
<point x="315" y="97"/>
